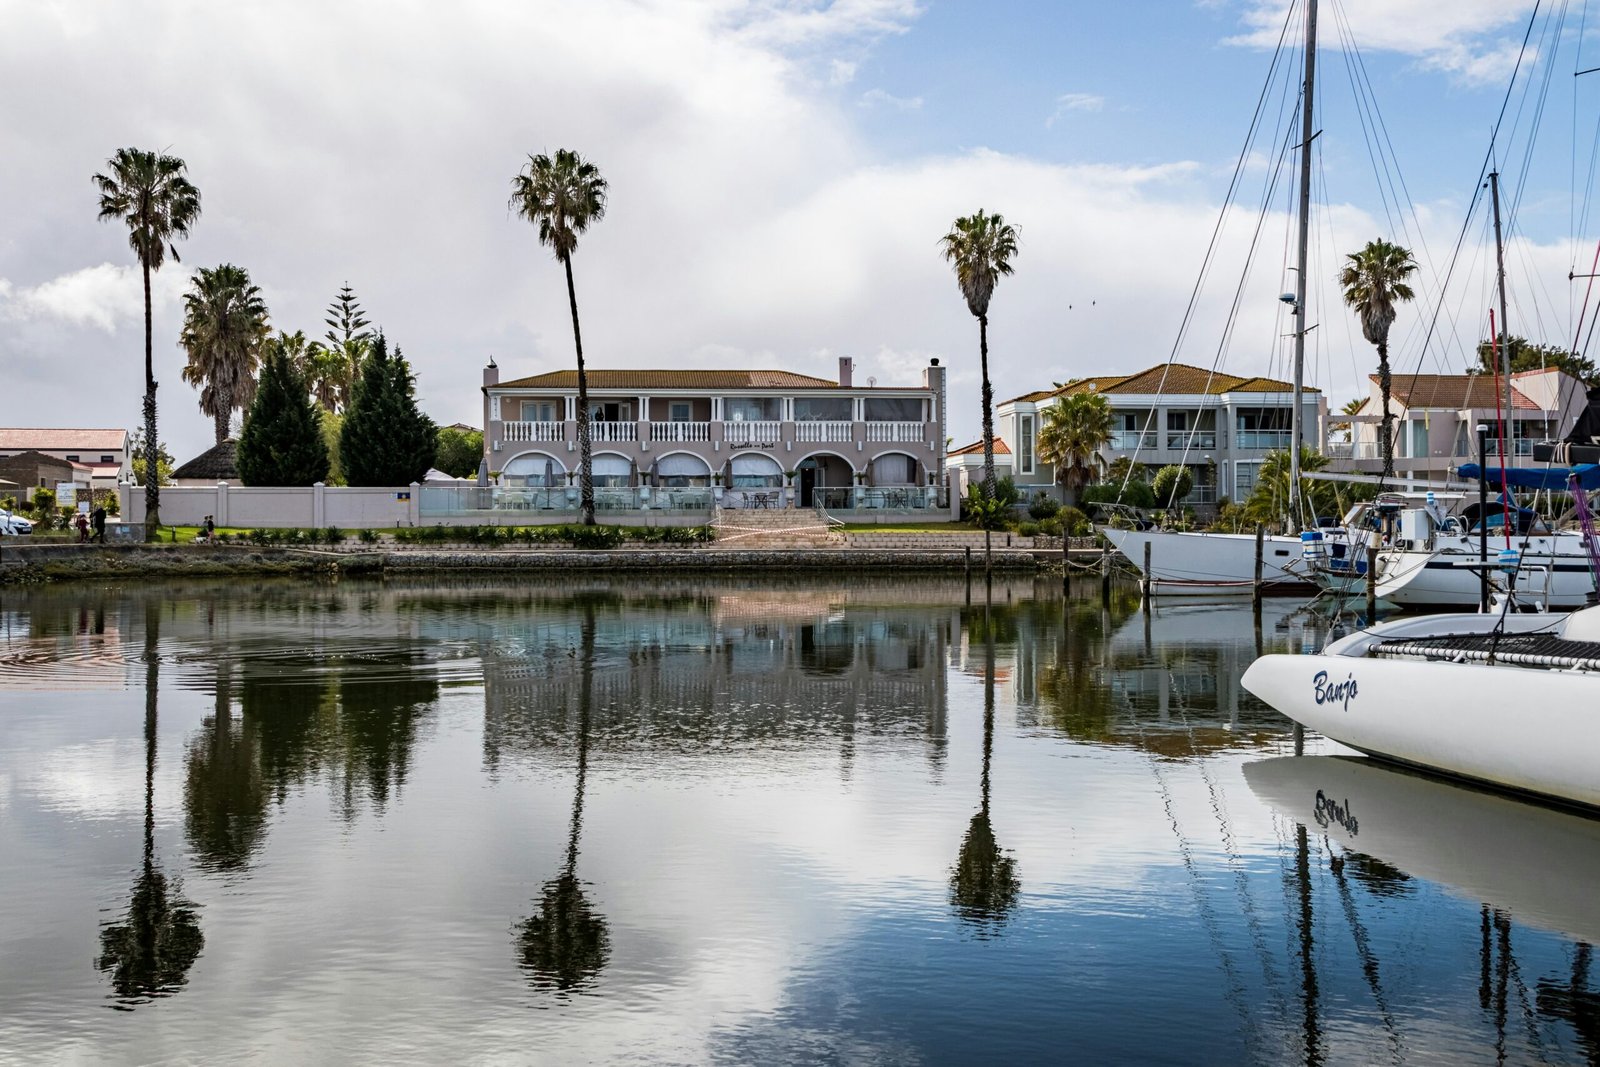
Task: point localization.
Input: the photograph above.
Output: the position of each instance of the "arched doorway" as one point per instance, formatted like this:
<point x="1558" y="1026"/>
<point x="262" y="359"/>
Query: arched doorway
<point x="824" y="471"/>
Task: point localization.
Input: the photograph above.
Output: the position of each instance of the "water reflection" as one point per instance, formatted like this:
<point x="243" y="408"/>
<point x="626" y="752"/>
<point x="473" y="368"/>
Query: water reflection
<point x="149" y="953"/>
<point x="566" y="944"/>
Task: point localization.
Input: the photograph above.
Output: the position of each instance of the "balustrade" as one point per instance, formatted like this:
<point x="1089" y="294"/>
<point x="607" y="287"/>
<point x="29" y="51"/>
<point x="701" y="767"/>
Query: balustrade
<point x="761" y="434"/>
<point x="824" y="432"/>
<point x="680" y="432"/>
<point x="534" y="431"/>
<point x="906" y="432"/>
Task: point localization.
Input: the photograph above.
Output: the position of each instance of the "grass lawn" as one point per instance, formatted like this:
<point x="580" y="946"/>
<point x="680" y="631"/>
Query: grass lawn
<point x="909" y="527"/>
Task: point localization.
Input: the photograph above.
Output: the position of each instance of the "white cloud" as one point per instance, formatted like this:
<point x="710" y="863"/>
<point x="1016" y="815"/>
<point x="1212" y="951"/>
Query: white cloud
<point x="1074" y="102"/>
<point x="104" y="297"/>
<point x="880" y="98"/>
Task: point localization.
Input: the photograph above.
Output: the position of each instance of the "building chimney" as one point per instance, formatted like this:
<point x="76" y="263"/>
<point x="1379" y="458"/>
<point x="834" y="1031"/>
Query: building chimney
<point x="491" y="373"/>
<point x="846" y="366"/>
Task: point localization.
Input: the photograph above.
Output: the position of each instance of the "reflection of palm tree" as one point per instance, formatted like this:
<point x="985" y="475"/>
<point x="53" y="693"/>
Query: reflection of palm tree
<point x="223" y="795"/>
<point x="984" y="883"/>
<point x="566" y="944"/>
<point x="150" y="952"/>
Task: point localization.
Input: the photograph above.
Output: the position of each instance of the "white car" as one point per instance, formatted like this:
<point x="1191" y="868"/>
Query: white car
<point x="14" y="524"/>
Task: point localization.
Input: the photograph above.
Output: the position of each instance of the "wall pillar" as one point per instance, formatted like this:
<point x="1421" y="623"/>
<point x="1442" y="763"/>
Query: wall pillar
<point x="414" y="506"/>
<point x="219" y="510"/>
<point x="318" y="508"/>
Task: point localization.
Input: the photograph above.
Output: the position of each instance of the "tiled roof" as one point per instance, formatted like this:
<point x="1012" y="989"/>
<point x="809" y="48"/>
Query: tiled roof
<point x="672" y="379"/>
<point x="219" y="462"/>
<point x="1451" y="391"/>
<point x="1170" y="379"/>
<point x="14" y="439"/>
<point x="976" y="448"/>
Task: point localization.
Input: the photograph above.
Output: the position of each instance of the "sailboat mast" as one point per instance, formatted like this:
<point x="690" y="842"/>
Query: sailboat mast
<point x="1503" y="332"/>
<point x="1297" y="430"/>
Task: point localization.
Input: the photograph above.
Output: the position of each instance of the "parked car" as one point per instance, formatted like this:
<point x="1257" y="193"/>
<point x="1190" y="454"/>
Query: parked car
<point x="13" y="524"/>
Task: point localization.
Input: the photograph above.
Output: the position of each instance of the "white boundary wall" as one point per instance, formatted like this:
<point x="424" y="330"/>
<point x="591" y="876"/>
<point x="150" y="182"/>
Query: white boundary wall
<point x="251" y="507"/>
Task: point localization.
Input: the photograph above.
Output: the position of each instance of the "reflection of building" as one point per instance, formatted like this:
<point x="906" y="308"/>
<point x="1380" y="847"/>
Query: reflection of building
<point x="716" y="677"/>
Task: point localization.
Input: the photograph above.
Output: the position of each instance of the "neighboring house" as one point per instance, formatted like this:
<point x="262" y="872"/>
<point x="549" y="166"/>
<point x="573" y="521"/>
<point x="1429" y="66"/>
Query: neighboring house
<point x="32" y="470"/>
<point x="104" y="452"/>
<point x="1221" y="426"/>
<point x="1436" y="418"/>
<point x="737" y="430"/>
<point x="220" y="463"/>
<point x="966" y="464"/>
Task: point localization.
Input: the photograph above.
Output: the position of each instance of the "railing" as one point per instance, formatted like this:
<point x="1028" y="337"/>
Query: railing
<point x="681" y="499"/>
<point x="534" y="431"/>
<point x="752" y="434"/>
<point x="1131" y="439"/>
<point x="1515" y="448"/>
<point x="1181" y="439"/>
<point x="905" y="498"/>
<point x="680" y="431"/>
<point x="1262" y="439"/>
<point x="1202" y="494"/>
<point x="814" y="432"/>
<point x="895" y="431"/>
<point x="612" y="432"/>
<point x="454" y="499"/>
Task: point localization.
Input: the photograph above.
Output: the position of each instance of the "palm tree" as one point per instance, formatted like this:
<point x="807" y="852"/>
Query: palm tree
<point x="224" y="325"/>
<point x="562" y="196"/>
<point x="980" y="247"/>
<point x="1071" y="434"/>
<point x="1373" y="280"/>
<point x="150" y="193"/>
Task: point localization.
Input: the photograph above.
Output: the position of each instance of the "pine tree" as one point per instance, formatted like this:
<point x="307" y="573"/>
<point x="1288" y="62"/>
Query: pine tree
<point x="282" y="439"/>
<point x="386" y="440"/>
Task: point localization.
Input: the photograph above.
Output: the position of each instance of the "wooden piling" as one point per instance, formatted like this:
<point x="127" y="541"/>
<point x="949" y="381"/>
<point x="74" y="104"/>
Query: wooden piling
<point x="1149" y="578"/>
<point x="1105" y="576"/>
<point x="1372" y="584"/>
<point x="1255" y="591"/>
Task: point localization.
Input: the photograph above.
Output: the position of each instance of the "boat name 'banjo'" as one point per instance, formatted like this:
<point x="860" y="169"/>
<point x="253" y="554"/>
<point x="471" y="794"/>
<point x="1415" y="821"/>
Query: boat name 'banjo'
<point x="1341" y="693"/>
<point x="1326" y="810"/>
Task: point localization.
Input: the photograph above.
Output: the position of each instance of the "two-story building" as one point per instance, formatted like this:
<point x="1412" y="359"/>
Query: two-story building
<point x="103" y="452"/>
<point x="1221" y="426"/>
<point x="1437" y="415"/>
<point x="741" y="438"/>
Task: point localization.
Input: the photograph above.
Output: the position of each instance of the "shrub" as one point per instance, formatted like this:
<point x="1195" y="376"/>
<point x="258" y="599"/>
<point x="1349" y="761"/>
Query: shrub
<point x="333" y="535"/>
<point x="1074" y="523"/>
<point x="367" y="537"/>
<point x="594" y="536"/>
<point x="1042" y="507"/>
<point x="1171" y="484"/>
<point x="1136" y="494"/>
<point x="1028" y="529"/>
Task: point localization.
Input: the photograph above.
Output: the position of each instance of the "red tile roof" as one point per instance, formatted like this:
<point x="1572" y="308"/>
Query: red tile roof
<point x="17" y="439"/>
<point x="1167" y="379"/>
<point x="976" y="448"/>
<point x="1451" y="391"/>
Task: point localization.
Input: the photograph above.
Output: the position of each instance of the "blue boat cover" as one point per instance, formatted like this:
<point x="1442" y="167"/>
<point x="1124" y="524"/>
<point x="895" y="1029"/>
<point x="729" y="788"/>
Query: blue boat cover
<point x="1535" y="477"/>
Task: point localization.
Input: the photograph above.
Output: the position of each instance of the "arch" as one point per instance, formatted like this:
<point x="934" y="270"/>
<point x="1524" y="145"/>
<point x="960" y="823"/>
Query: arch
<point x="535" y="469"/>
<point x="822" y="454"/>
<point x="611" y="470"/>
<point x="755" y="470"/>
<point x="894" y="469"/>
<point x="681" y="470"/>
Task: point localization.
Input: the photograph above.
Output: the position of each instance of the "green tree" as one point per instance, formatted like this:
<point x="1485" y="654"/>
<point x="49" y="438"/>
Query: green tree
<point x="562" y="196"/>
<point x="1172" y="483"/>
<point x="1124" y="469"/>
<point x="980" y="249"/>
<point x="282" y="440"/>
<point x="1270" y="496"/>
<point x="332" y="428"/>
<point x="224" y="327"/>
<point x="150" y="194"/>
<point x="1071" y="434"/>
<point x="1373" y="280"/>
<point x="331" y="369"/>
<point x="386" y="440"/>
<point x="1526" y="355"/>
<point x="460" y="452"/>
<point x="139" y="456"/>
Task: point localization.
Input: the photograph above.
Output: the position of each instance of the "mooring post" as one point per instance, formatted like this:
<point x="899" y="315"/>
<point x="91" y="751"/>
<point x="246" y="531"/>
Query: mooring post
<point x="1149" y="578"/>
<point x="1066" y="562"/>
<point x="1255" y="591"/>
<point x="1372" y="584"/>
<point x="969" y="563"/>
<point x="1105" y="576"/>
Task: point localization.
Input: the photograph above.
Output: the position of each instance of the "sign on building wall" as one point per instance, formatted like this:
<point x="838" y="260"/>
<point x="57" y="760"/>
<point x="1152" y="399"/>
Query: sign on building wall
<point x="66" y="495"/>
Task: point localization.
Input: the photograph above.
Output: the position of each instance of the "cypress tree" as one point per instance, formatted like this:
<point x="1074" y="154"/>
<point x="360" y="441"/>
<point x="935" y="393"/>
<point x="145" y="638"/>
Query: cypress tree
<point x="386" y="440"/>
<point x="282" y="439"/>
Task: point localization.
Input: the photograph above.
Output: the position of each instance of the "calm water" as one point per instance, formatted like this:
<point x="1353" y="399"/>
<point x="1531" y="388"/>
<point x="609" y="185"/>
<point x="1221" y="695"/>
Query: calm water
<point x="497" y="821"/>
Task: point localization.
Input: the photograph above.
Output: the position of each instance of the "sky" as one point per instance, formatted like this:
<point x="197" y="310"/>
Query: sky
<point x="780" y="173"/>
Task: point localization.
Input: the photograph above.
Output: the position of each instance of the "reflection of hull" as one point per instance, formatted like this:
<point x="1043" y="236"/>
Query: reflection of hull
<point x="1207" y="564"/>
<point x="1540" y="865"/>
<point x="1519" y="728"/>
<point x="1432" y="579"/>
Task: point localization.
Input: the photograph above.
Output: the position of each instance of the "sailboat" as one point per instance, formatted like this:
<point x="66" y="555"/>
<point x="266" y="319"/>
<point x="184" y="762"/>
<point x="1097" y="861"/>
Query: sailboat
<point x="1221" y="564"/>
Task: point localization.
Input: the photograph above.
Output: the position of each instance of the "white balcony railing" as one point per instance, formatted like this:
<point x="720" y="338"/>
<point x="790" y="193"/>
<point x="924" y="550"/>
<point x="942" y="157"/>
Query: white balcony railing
<point x="1131" y="439"/>
<point x="824" y="432"/>
<point x="1262" y="439"/>
<point x="612" y="432"/>
<point x="680" y="431"/>
<point x="534" y="431"/>
<point x="752" y="434"/>
<point x="906" y="432"/>
<point x="1177" y="440"/>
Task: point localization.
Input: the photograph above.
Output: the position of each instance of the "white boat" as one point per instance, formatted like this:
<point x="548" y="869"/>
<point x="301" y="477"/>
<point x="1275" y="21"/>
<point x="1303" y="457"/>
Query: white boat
<point x="1480" y="846"/>
<point x="1511" y="700"/>
<point x="1554" y="572"/>
<point x="1208" y="564"/>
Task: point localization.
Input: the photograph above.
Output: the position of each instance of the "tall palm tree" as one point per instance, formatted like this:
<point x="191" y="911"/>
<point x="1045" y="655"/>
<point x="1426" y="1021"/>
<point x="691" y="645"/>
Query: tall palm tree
<point x="150" y="193"/>
<point x="224" y="325"/>
<point x="1071" y="434"/>
<point x="562" y="196"/>
<point x="1373" y="280"/>
<point x="980" y="248"/>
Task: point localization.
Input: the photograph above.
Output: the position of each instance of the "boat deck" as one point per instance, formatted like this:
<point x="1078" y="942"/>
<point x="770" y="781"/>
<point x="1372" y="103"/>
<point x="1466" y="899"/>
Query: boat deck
<point x="1524" y="650"/>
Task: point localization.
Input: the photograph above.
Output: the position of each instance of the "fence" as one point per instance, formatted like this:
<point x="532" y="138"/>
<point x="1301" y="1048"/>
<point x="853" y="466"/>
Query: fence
<point x="300" y="507"/>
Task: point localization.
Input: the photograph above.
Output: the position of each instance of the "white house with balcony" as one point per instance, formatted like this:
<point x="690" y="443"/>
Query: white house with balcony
<point x="1221" y="426"/>
<point x="1437" y="415"/>
<point x="689" y="439"/>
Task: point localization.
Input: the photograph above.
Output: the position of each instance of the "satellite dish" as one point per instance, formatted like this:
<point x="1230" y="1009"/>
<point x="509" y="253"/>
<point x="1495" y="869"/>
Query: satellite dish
<point x="872" y="382"/>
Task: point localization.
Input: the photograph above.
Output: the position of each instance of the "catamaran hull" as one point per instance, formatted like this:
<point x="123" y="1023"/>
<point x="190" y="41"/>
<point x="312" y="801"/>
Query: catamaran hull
<point x="1432" y="579"/>
<point x="1481" y="846"/>
<point x="1208" y="564"/>
<point x="1533" y="731"/>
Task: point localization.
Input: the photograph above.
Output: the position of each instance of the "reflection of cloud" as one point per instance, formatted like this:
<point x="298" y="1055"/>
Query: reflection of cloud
<point x="101" y="780"/>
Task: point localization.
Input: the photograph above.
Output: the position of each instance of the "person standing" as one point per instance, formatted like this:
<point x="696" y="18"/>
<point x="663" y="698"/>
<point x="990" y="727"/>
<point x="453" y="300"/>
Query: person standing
<point x="99" y="521"/>
<point x="82" y="522"/>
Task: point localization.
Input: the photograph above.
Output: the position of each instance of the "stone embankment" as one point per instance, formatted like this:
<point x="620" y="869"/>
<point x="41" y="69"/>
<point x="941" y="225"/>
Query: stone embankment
<point x="51" y="562"/>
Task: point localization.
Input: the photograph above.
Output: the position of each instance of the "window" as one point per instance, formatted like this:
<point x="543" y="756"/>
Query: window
<point x="1177" y="420"/>
<point x="756" y="472"/>
<point x="822" y="409"/>
<point x="682" y="471"/>
<point x="894" y="409"/>
<point x="108" y="459"/>
<point x="751" y="409"/>
<point x="1244" y="479"/>
<point x="680" y="411"/>
<point x="1419" y="439"/>
<point x="1025" y="444"/>
<point x="611" y="472"/>
<point x="894" y="470"/>
<point x="72" y="459"/>
<point x="534" y="470"/>
<point x="610" y="411"/>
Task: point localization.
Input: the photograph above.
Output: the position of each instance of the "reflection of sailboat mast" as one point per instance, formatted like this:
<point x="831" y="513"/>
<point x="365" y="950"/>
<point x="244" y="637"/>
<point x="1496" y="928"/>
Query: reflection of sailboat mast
<point x="1311" y="1030"/>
